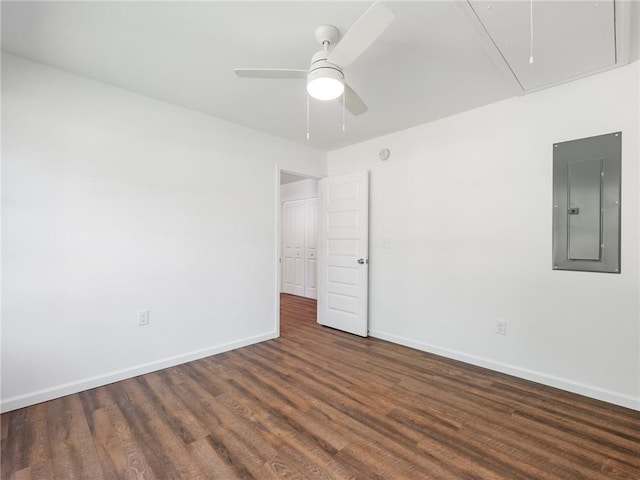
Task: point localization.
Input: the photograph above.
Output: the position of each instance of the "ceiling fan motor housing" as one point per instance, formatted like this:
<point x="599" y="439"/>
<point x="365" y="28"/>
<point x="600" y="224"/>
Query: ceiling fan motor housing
<point x="327" y="74"/>
<point x="319" y="60"/>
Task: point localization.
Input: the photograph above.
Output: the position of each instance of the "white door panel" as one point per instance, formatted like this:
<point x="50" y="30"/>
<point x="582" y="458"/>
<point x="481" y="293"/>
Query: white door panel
<point x="343" y="223"/>
<point x="299" y="247"/>
<point x="293" y="247"/>
<point x="311" y="251"/>
<point x="312" y="275"/>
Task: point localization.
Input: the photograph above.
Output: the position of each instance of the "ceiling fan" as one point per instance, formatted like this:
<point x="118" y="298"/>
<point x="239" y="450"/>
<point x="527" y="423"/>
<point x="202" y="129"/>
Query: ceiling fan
<point x="325" y="77"/>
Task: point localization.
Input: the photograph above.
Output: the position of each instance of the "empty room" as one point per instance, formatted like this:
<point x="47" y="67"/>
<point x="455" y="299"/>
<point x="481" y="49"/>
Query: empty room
<point x="320" y="240"/>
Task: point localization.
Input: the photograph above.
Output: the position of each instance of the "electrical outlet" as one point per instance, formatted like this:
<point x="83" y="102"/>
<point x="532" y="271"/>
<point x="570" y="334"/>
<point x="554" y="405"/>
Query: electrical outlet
<point x="143" y="317"/>
<point x="501" y="327"/>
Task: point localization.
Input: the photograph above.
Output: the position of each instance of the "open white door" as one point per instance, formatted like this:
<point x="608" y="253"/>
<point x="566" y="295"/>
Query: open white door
<point x="343" y="252"/>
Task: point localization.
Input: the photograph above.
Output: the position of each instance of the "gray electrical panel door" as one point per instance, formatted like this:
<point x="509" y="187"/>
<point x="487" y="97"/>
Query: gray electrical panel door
<point x="586" y="204"/>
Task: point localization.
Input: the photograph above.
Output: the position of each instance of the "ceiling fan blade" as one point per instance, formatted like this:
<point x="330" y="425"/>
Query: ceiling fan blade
<point x="352" y="101"/>
<point x="361" y="34"/>
<point x="270" y="73"/>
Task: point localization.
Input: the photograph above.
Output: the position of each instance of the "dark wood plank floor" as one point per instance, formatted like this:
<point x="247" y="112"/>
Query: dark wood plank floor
<point x="321" y="404"/>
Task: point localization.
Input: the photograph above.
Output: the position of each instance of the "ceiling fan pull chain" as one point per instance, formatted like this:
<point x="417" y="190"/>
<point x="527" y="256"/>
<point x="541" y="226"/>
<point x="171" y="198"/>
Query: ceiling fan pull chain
<point x="531" y="32"/>
<point x="307" y="116"/>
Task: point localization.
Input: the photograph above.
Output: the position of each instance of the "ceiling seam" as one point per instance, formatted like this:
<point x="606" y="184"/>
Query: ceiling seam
<point x="497" y="49"/>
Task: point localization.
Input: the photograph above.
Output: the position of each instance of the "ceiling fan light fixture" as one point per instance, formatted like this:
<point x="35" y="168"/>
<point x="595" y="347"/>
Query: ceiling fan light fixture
<point x="325" y="83"/>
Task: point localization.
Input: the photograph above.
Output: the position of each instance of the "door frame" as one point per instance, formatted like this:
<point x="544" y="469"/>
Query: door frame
<point x="278" y="252"/>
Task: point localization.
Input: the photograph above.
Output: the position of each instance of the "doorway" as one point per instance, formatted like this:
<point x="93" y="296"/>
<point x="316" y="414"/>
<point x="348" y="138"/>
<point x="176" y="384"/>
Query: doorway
<point x="334" y="255"/>
<point x="297" y="246"/>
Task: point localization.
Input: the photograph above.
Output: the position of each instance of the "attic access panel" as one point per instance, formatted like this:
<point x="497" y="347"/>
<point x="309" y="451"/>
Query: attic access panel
<point x="571" y="38"/>
<point x="586" y="204"/>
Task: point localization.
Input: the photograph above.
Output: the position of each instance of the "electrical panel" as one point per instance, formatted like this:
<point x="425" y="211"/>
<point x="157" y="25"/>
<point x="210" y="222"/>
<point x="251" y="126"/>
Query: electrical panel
<point x="586" y="204"/>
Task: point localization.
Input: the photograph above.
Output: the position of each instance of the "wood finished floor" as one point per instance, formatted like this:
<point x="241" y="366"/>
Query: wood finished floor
<point x="321" y="404"/>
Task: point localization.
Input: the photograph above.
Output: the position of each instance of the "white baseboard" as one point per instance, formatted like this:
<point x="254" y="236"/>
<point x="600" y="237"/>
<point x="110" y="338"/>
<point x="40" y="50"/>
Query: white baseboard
<point x="538" y="377"/>
<point x="32" y="398"/>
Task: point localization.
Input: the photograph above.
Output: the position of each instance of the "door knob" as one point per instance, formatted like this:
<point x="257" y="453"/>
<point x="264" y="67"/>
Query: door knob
<point x="362" y="261"/>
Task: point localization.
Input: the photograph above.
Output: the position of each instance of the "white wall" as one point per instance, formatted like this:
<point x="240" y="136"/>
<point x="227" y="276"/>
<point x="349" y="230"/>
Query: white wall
<point x="465" y="203"/>
<point x="307" y="188"/>
<point x="113" y="202"/>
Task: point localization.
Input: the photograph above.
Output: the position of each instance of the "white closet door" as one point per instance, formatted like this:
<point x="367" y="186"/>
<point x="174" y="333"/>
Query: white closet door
<point x="293" y="226"/>
<point x="311" y="248"/>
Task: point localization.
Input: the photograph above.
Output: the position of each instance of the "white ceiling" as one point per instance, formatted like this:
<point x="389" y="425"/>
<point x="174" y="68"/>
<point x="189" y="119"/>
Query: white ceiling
<point x="436" y="59"/>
